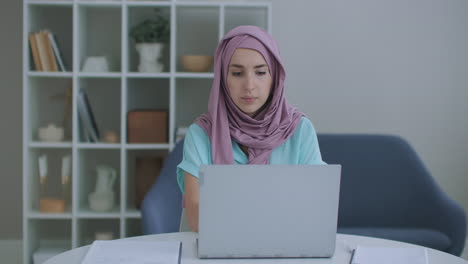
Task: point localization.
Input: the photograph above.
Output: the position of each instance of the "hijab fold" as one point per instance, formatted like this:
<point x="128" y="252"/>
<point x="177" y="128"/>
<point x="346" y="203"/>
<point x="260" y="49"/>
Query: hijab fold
<point x="224" y="121"/>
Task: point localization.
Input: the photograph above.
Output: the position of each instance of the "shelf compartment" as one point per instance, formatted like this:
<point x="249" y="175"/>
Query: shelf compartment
<point x="192" y="97"/>
<point x="198" y="26"/>
<point x="146" y="94"/>
<point x="136" y="15"/>
<point x="239" y="15"/>
<point x="42" y="237"/>
<point x="133" y="227"/>
<point x="148" y="164"/>
<point x="93" y="21"/>
<point x="104" y="96"/>
<point x="47" y="105"/>
<point x="58" y="19"/>
<point x="88" y="160"/>
<point x="88" y="229"/>
<point x="54" y="188"/>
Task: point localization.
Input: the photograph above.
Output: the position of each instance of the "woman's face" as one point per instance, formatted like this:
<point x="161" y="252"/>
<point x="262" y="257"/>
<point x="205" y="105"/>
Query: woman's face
<point x="249" y="80"/>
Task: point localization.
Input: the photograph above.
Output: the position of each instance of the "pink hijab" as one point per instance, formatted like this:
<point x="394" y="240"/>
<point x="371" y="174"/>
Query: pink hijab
<point x="225" y="121"/>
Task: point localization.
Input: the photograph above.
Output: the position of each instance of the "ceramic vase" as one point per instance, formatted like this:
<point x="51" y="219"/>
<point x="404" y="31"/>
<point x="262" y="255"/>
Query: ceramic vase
<point x="150" y="54"/>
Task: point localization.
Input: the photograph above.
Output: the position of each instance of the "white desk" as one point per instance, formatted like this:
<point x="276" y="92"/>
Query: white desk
<point x="189" y="253"/>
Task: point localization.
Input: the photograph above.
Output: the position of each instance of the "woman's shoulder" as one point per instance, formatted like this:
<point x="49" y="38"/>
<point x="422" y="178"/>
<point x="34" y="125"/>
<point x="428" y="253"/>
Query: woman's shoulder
<point x="305" y="125"/>
<point x="303" y="131"/>
<point x="197" y="130"/>
<point x="197" y="135"/>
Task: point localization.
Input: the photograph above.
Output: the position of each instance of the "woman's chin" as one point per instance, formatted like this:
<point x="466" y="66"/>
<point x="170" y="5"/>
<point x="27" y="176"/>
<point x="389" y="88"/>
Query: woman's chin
<point x="249" y="112"/>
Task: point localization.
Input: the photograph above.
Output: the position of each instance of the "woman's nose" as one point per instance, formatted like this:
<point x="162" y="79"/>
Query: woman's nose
<point x="249" y="82"/>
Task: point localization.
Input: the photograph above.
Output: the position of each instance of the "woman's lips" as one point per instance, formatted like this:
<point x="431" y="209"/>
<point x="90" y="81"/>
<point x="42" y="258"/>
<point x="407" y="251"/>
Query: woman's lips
<point x="249" y="100"/>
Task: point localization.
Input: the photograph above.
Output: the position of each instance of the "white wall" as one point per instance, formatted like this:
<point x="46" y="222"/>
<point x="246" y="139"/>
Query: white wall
<point x="383" y="66"/>
<point x="380" y="66"/>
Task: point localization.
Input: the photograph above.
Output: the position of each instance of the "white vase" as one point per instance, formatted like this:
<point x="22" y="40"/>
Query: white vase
<point x="150" y="54"/>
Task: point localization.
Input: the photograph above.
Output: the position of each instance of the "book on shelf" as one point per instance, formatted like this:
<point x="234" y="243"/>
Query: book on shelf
<point x="50" y="52"/>
<point x="57" y="52"/>
<point x="42" y="50"/>
<point x="35" y="51"/>
<point x="46" y="52"/>
<point x="88" y="122"/>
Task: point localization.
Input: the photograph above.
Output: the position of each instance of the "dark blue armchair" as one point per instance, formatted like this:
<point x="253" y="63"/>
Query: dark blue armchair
<point x="386" y="192"/>
<point x="162" y="206"/>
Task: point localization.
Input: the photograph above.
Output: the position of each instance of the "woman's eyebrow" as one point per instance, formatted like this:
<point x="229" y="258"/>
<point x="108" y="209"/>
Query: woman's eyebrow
<point x="241" y="66"/>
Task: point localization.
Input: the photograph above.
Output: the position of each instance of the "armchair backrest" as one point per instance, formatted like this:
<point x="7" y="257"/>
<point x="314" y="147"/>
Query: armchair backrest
<point x="385" y="184"/>
<point x="162" y="206"/>
<point x="382" y="182"/>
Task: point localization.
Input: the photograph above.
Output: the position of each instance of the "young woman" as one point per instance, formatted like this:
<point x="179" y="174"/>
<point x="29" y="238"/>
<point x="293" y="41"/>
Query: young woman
<point x="249" y="120"/>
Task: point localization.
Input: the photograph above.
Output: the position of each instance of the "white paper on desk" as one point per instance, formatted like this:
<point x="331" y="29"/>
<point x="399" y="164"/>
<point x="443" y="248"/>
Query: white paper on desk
<point x="390" y="255"/>
<point x="134" y="252"/>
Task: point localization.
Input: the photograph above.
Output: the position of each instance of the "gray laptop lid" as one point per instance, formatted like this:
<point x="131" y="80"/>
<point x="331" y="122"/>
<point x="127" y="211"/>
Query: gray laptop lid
<point x="268" y="210"/>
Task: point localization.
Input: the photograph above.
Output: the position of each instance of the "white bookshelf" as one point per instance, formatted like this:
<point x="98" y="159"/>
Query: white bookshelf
<point x="92" y="28"/>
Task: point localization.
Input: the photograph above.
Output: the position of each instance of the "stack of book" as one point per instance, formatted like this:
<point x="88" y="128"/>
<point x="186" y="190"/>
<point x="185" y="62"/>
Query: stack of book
<point x="45" y="52"/>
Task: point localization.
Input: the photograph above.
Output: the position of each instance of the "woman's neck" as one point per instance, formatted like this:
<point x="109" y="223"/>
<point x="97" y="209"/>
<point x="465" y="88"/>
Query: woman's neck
<point x="245" y="149"/>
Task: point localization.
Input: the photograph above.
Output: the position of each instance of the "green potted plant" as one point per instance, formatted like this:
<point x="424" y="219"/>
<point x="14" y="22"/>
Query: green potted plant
<point x="150" y="36"/>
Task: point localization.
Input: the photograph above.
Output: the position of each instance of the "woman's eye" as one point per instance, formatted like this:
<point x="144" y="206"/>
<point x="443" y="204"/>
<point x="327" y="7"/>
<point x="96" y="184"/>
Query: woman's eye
<point x="261" y="73"/>
<point x="236" y="73"/>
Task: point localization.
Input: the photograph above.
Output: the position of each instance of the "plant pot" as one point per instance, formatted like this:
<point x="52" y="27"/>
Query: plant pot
<point x="150" y="54"/>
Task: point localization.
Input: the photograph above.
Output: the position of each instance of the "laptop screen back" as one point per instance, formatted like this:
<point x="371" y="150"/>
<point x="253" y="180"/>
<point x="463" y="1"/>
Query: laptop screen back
<point x="256" y="211"/>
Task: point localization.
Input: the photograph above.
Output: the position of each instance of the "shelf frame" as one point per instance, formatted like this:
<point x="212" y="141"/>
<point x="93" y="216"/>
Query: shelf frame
<point x="125" y="214"/>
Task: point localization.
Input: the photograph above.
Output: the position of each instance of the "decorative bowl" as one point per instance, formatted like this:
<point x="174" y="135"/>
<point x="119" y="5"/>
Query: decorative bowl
<point x="51" y="133"/>
<point x="196" y="63"/>
<point x="96" y="64"/>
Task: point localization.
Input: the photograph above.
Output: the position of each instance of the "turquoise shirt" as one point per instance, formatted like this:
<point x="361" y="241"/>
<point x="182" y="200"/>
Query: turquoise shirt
<point x="301" y="148"/>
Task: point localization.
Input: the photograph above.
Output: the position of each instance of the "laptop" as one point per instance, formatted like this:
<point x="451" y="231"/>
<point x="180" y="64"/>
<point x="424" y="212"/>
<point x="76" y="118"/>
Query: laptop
<point x="268" y="211"/>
